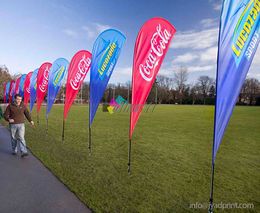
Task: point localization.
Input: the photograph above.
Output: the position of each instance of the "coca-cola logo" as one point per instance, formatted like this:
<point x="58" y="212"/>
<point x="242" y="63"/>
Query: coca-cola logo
<point x="27" y="90"/>
<point x="158" y="43"/>
<point x="44" y="84"/>
<point x="83" y="67"/>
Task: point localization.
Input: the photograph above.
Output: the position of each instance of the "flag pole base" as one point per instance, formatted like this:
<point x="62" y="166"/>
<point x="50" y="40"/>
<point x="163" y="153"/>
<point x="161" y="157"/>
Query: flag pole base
<point x="63" y="132"/>
<point x="129" y="157"/>
<point x="89" y="141"/>
<point x="47" y="123"/>
<point x="210" y="210"/>
<point x="38" y="122"/>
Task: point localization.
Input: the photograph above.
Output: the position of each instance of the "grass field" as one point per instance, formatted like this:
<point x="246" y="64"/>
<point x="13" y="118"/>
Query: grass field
<point x="171" y="158"/>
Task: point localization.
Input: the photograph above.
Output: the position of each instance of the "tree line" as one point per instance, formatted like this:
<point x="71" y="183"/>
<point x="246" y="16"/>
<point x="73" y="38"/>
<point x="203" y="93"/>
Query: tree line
<point x="165" y="90"/>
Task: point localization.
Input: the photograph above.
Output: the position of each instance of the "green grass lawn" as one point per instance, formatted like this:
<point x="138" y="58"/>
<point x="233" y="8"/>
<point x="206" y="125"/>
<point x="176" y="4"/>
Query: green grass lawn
<point x="171" y="158"/>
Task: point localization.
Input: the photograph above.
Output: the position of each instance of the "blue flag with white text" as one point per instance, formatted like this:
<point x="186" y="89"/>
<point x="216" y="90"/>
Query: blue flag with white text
<point x="239" y="37"/>
<point x="57" y="75"/>
<point x="105" y="54"/>
<point x="21" y="85"/>
<point x="7" y="89"/>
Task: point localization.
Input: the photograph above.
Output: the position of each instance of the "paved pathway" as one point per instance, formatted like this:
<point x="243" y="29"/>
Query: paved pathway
<point x="27" y="186"/>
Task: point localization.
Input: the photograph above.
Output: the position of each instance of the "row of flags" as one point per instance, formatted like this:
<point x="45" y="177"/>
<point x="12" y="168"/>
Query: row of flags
<point x="239" y="36"/>
<point x="49" y="77"/>
<point x="151" y="46"/>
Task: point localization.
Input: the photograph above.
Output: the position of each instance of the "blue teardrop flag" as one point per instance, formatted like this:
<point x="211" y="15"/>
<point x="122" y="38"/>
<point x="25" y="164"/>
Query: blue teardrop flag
<point x="57" y="75"/>
<point x="239" y="36"/>
<point x="7" y="89"/>
<point x="105" y="54"/>
<point x="21" y="85"/>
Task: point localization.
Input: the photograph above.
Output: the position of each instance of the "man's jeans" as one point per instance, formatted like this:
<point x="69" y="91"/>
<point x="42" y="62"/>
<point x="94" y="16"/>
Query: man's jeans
<point x="17" y="135"/>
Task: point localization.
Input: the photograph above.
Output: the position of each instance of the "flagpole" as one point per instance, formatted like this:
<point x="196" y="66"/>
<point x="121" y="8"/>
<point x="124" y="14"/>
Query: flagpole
<point x="212" y="187"/>
<point x="63" y="129"/>
<point x="38" y="122"/>
<point x="47" y="125"/>
<point x="130" y="121"/>
<point x="89" y="139"/>
<point x="130" y="143"/>
<point x="210" y="210"/>
<point x="89" y="124"/>
<point x="47" y="122"/>
<point x="129" y="156"/>
<point x="63" y="124"/>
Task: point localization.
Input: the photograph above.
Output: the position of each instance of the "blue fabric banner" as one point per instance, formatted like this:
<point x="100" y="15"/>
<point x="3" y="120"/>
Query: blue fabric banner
<point x="105" y="54"/>
<point x="33" y="86"/>
<point x="7" y="89"/>
<point x="13" y="91"/>
<point x="238" y="41"/>
<point x="21" y="85"/>
<point x="57" y="75"/>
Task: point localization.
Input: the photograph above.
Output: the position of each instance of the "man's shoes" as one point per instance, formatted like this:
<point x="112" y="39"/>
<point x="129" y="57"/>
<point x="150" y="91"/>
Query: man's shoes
<point x="24" y="154"/>
<point x="14" y="153"/>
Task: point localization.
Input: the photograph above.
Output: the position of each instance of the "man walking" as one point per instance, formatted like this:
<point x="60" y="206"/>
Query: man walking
<point x="14" y="114"/>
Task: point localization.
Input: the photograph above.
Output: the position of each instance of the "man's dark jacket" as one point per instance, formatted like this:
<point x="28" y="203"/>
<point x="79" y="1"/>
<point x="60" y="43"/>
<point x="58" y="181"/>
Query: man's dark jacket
<point x="13" y="111"/>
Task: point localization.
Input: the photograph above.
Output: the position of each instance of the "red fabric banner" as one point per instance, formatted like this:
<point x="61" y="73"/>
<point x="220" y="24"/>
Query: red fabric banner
<point x="78" y="69"/>
<point x="11" y="91"/>
<point x="151" y="46"/>
<point x="27" y="88"/>
<point x="17" y="83"/>
<point x="42" y="83"/>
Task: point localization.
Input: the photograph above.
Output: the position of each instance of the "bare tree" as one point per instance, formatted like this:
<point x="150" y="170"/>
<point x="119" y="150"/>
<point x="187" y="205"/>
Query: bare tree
<point x="250" y="90"/>
<point x="205" y="84"/>
<point x="163" y="86"/>
<point x="194" y="93"/>
<point x="180" y="78"/>
<point x="4" y="78"/>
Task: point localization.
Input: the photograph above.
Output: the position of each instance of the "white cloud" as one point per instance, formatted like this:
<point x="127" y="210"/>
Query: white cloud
<point x="209" y="55"/>
<point x="94" y="29"/>
<point x="256" y="60"/>
<point x="209" y="23"/>
<point x="168" y="71"/>
<point x="253" y="75"/>
<point x="90" y="32"/>
<point x="201" y="68"/>
<point x="217" y="6"/>
<point x="100" y="27"/>
<point x="254" y="70"/>
<point x="195" y="39"/>
<point x="70" y="33"/>
<point x="199" y="49"/>
<point x="185" y="58"/>
<point x="121" y="74"/>
<point x="197" y="60"/>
